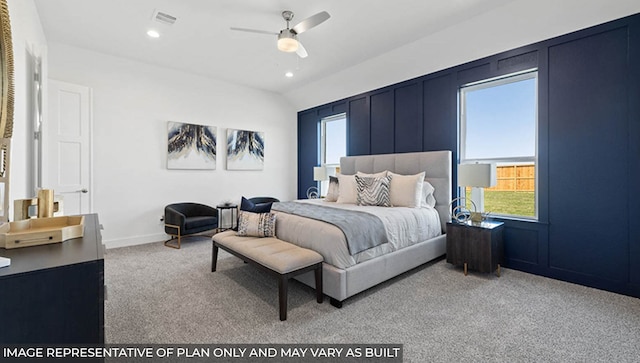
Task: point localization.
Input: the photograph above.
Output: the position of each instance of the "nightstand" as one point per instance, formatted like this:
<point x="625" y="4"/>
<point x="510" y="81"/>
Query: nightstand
<point x="475" y="245"/>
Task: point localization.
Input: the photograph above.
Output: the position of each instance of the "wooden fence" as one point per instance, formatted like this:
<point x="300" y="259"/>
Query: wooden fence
<point x="521" y="178"/>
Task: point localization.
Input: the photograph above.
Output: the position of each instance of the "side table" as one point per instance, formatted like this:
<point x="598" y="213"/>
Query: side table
<point x="234" y="216"/>
<point x="475" y="245"/>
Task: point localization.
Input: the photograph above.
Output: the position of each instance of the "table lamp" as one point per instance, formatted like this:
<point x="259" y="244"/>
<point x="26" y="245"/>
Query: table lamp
<point x="319" y="174"/>
<point x="478" y="177"/>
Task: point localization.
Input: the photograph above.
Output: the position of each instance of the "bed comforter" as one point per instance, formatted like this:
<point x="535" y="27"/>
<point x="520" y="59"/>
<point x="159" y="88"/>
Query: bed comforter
<point x="403" y="226"/>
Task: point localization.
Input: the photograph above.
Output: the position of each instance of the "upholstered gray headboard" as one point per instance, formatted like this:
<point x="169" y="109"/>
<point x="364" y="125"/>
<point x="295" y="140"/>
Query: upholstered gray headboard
<point x="435" y="164"/>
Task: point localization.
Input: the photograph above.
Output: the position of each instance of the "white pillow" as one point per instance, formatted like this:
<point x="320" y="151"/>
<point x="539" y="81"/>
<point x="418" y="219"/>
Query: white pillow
<point x="334" y="191"/>
<point x="427" y="195"/>
<point x="406" y="190"/>
<point x="348" y="192"/>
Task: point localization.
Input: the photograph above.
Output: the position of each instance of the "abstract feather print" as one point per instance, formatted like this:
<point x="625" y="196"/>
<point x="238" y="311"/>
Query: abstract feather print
<point x="245" y="150"/>
<point x="191" y="146"/>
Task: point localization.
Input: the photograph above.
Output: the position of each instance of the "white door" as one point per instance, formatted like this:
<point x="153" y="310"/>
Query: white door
<point x="68" y="140"/>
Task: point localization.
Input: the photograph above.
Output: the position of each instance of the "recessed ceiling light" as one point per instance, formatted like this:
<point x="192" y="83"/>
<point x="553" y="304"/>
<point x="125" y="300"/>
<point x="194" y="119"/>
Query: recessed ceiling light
<point x="288" y="74"/>
<point x="153" y="34"/>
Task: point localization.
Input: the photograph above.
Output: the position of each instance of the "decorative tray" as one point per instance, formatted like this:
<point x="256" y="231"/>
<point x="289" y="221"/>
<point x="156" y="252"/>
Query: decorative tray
<point x="40" y="231"/>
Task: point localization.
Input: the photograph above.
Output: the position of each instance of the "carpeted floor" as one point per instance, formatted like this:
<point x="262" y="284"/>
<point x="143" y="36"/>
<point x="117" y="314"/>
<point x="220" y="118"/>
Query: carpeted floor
<point x="162" y="295"/>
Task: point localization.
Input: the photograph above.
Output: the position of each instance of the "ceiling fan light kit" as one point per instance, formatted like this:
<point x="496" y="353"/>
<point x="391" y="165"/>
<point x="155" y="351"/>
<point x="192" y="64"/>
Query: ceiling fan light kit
<point x="287" y="42"/>
<point x="288" y="37"/>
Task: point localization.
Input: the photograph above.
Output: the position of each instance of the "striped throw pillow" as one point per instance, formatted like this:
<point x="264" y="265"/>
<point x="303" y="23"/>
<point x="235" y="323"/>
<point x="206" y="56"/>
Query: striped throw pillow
<point x="373" y="191"/>
<point x="256" y="224"/>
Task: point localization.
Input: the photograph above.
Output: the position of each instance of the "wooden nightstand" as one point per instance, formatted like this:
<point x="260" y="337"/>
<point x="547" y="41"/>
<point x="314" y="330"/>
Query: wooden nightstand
<point x="477" y="246"/>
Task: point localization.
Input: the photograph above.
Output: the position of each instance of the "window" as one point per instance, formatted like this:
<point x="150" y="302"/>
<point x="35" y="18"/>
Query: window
<point x="333" y="144"/>
<point x="498" y="124"/>
<point x="334" y="139"/>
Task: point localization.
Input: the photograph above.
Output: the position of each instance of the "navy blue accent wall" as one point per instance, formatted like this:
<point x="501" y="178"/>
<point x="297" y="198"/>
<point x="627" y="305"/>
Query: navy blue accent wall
<point x="308" y="155"/>
<point x="408" y="117"/>
<point x="309" y="141"/>
<point x="633" y="100"/>
<point x="588" y="228"/>
<point x="588" y="158"/>
<point x="359" y="127"/>
<point x="382" y="126"/>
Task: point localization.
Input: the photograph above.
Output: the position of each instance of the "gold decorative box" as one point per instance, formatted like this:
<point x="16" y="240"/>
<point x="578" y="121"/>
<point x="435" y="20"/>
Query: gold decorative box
<point x="40" y="231"/>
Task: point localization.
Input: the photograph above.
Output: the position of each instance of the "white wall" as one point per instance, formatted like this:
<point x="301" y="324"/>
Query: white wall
<point x="515" y="24"/>
<point x="132" y="103"/>
<point x="28" y="41"/>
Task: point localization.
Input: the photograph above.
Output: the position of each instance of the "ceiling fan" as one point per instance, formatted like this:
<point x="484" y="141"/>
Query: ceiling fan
<point x="288" y="37"/>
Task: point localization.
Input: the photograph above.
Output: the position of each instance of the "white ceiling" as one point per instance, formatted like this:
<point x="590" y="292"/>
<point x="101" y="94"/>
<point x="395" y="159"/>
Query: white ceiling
<point x="201" y="42"/>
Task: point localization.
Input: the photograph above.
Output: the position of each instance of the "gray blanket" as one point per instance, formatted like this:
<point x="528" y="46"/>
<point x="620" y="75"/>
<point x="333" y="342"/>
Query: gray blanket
<point x="361" y="230"/>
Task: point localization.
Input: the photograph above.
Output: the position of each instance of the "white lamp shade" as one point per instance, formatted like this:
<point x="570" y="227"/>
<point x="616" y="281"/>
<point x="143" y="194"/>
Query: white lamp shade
<point x="320" y="173"/>
<point x="477" y="175"/>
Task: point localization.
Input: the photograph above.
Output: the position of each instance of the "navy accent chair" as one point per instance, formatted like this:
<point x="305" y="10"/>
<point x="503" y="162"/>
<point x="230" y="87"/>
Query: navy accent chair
<point x="182" y="219"/>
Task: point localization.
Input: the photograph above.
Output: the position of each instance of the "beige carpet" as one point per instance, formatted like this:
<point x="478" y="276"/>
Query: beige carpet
<point x="162" y="295"/>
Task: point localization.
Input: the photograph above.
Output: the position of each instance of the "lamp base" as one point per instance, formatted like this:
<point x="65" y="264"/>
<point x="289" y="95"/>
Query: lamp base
<point x="477" y="197"/>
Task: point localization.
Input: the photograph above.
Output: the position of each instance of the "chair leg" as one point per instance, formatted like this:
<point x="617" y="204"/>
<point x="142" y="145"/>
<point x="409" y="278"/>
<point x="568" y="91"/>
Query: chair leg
<point x="166" y="243"/>
<point x="176" y="245"/>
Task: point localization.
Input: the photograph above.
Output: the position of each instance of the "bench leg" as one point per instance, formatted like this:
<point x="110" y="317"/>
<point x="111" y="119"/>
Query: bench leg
<point x="319" y="294"/>
<point x="214" y="257"/>
<point x="283" y="285"/>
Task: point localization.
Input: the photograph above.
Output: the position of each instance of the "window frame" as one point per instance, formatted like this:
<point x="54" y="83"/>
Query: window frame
<point x="324" y="185"/>
<point x="462" y="137"/>
<point x="323" y="136"/>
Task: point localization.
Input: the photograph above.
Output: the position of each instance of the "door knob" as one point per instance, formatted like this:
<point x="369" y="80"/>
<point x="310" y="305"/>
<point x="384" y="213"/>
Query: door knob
<point x="84" y="190"/>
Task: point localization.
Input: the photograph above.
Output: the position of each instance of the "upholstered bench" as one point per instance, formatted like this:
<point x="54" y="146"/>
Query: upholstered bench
<point x="280" y="258"/>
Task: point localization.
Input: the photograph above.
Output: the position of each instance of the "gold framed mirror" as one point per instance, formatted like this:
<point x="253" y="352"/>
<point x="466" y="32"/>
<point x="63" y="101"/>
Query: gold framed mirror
<point x="6" y="54"/>
<point x="6" y="107"/>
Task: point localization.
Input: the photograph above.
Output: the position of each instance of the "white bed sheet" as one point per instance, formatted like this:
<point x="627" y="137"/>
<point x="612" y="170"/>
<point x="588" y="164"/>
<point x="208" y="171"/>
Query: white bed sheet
<point x="404" y="227"/>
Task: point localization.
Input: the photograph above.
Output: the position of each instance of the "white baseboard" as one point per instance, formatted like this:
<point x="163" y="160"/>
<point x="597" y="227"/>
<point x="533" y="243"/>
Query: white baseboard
<point x="134" y="241"/>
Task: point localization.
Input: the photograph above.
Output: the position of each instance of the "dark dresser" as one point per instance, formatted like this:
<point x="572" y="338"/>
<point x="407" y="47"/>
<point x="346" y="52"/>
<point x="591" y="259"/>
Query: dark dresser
<point x="54" y="294"/>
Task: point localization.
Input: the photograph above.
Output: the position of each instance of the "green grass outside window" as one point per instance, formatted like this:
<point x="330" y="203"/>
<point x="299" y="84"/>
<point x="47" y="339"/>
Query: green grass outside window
<point x="509" y="203"/>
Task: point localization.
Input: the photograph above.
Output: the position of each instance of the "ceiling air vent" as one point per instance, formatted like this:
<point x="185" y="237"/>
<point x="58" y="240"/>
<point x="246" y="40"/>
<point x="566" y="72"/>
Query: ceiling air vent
<point x="163" y="18"/>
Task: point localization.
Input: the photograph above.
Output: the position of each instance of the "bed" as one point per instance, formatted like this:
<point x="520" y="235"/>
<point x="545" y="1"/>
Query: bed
<point x="347" y="274"/>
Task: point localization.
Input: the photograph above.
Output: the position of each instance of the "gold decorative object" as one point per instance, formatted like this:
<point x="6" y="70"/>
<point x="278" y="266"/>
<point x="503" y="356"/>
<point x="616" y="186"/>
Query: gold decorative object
<point x="6" y="54"/>
<point x="40" y="231"/>
<point x="6" y="107"/>
<point x="45" y="203"/>
<point x="25" y="209"/>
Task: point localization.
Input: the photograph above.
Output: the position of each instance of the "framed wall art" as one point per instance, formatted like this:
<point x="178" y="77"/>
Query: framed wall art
<point x="191" y="146"/>
<point x="245" y="150"/>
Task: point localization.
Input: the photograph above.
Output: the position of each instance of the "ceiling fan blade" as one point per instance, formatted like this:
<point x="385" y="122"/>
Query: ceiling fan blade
<point x="301" y="52"/>
<point x="310" y="22"/>
<point x="254" y="31"/>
